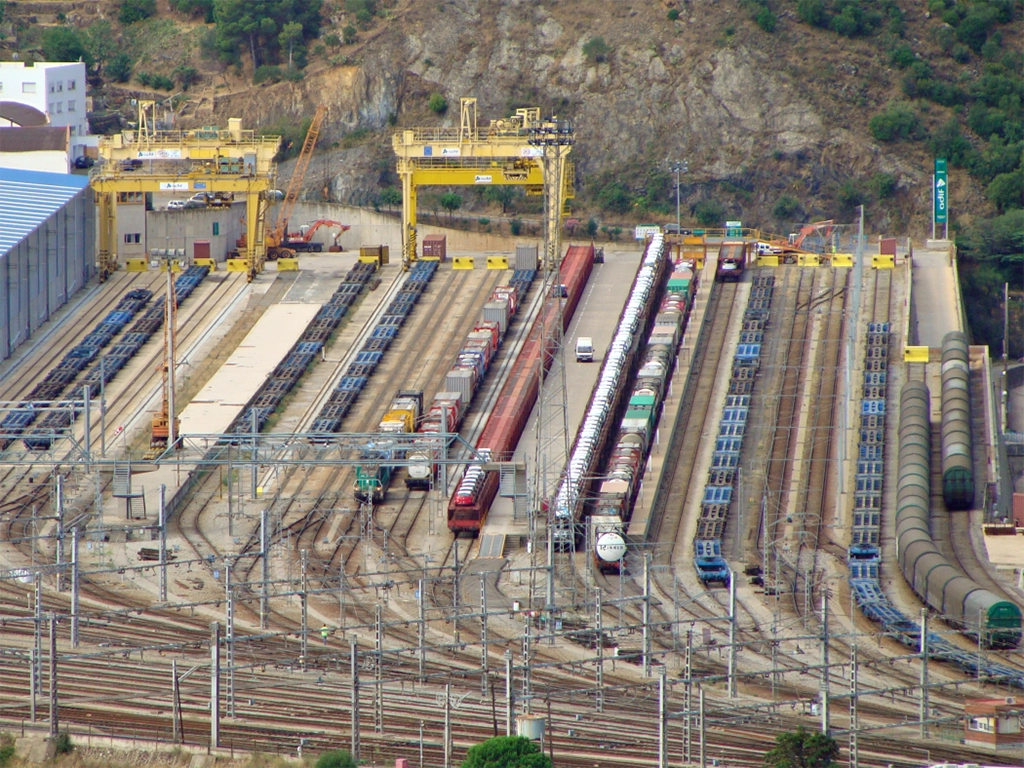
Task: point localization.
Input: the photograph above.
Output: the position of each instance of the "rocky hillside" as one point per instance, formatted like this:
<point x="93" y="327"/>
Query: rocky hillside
<point x="770" y="101"/>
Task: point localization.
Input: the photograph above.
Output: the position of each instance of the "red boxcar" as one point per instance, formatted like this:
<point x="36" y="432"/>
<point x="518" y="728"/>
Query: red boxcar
<point x="511" y="410"/>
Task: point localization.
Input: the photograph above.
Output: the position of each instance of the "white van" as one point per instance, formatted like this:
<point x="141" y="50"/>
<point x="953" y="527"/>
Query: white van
<point x="584" y="349"/>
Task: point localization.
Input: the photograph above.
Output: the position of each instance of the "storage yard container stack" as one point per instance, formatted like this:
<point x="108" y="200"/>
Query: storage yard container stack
<point x="468" y="510"/>
<point x="435" y="248"/>
<point x="957" y="461"/>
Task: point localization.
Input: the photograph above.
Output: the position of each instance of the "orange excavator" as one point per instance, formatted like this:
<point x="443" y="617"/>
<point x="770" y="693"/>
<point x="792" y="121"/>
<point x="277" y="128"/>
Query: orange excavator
<point x="819" y="229"/>
<point x="303" y="239"/>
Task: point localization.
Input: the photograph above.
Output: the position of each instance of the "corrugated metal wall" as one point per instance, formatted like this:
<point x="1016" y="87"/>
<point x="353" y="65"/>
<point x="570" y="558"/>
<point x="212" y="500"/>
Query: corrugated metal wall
<point x="45" y="269"/>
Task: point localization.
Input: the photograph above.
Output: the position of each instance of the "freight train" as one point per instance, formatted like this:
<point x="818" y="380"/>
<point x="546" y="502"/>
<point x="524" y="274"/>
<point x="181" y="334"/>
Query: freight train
<point x="957" y="454"/>
<point x="716" y="503"/>
<point x="465" y="378"/>
<point x="623" y="466"/>
<point x="994" y="622"/>
<point x="609" y="397"/>
<point x="474" y="494"/>
<point x="864" y="554"/>
<point x="732" y="260"/>
<point x="401" y="418"/>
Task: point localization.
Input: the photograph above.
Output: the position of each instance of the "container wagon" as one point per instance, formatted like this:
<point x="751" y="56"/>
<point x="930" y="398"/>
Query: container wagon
<point x="465" y="378"/>
<point x="372" y="479"/>
<point x="468" y="511"/>
<point x="732" y="260"/>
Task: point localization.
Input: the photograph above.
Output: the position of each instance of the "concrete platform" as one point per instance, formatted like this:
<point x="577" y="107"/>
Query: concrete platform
<point x="224" y="396"/>
<point x="936" y="302"/>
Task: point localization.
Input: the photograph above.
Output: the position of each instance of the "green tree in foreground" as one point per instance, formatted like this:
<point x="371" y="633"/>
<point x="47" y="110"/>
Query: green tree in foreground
<point x="451" y="202"/>
<point x="336" y="759"/>
<point x="506" y="752"/>
<point x="65" y="44"/>
<point x="803" y="749"/>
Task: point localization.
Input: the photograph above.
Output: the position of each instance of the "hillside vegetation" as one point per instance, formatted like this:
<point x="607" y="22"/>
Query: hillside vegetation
<point x="786" y="111"/>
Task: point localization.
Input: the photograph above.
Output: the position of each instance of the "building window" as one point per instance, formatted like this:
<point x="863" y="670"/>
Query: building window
<point x="60" y="87"/>
<point x="216" y="228"/>
<point x="28" y="87"/>
<point x="71" y="85"/>
<point x="71" y="106"/>
<point x="983" y="724"/>
<point x="133" y="237"/>
<point x="129" y="197"/>
<point x="74" y="130"/>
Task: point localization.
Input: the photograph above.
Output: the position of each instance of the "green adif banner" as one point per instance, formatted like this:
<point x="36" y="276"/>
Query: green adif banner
<point x="940" y="192"/>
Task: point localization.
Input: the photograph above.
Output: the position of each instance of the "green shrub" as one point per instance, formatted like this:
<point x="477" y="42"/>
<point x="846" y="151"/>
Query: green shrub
<point x="265" y="73"/>
<point x="902" y="56"/>
<point x="883" y="185"/>
<point x="1007" y="190"/>
<point x="786" y="208"/>
<point x="591" y="228"/>
<point x="673" y="14"/>
<point x="337" y="759"/>
<point x="766" y="19"/>
<point x="6" y="739"/>
<point x="974" y="29"/>
<point x="437" y="103"/>
<point x="185" y="75"/>
<point x="145" y="79"/>
<point x="614" y="197"/>
<point x="813" y="12"/>
<point x="349" y="34"/>
<point x="333" y="40"/>
<point x="131" y="11"/>
<point x="483" y="221"/>
<point x="898" y="121"/>
<point x="516" y="227"/>
<point x="63" y="744"/>
<point x="596" y="50"/>
<point x="119" y="68"/>
<point x="950" y="143"/>
<point x="850" y="195"/>
<point x="709" y="213"/>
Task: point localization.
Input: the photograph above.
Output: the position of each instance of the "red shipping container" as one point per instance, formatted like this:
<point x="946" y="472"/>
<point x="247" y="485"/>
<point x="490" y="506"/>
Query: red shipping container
<point x="201" y="249"/>
<point x="435" y="247"/>
<point x="1018" y="510"/>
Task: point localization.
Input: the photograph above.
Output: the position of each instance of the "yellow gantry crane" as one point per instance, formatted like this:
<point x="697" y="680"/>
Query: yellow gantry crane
<point x="233" y="161"/>
<point x="523" y="150"/>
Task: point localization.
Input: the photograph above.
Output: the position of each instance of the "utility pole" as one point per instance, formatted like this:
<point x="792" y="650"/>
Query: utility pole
<point x="853" y="747"/>
<point x="662" y="720"/>
<point x="353" y="647"/>
<point x="702" y="743"/>
<point x="304" y="603"/>
<point x="422" y="635"/>
<point x="103" y="406"/>
<point x="484" y="661"/>
<point x="600" y="652"/>
<point x="87" y="427"/>
<point x="923" y="710"/>
<point x="826" y="725"/>
<point x="447" y="725"/>
<point x="74" y="588"/>
<point x="378" y="668"/>
<point x="214" y="685"/>
<point x="265" y="558"/>
<point x="688" y="698"/>
<point x="229" y="639"/>
<point x="646" y="607"/>
<point x="527" y="682"/>
<point x="163" y="543"/>
<point x="678" y="167"/>
<point x="509" y="695"/>
<point x="456" y="598"/>
<point x="59" y="492"/>
<point x="175" y="704"/>
<point x="54" y="713"/>
<point x="732" y="635"/>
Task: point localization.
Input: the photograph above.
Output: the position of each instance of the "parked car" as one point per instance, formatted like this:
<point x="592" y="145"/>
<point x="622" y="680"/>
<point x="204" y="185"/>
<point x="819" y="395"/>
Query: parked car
<point x="176" y="205"/>
<point x="131" y="165"/>
<point x="84" y="162"/>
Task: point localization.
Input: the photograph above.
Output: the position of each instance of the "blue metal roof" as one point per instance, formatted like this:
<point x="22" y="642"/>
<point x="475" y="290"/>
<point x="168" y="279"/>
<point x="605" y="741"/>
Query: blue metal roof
<point x="28" y="198"/>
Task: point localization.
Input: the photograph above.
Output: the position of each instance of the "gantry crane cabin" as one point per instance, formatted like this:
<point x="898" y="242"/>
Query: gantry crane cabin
<point x="523" y="149"/>
<point x="234" y="161"/>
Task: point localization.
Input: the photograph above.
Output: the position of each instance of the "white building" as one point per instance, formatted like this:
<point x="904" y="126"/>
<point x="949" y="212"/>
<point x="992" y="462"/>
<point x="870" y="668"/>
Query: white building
<point x="54" y="88"/>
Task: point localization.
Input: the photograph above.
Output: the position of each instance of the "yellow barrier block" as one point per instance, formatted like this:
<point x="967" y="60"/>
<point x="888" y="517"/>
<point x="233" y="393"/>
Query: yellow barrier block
<point x="768" y="261"/>
<point x="238" y="265"/>
<point x="462" y="262"/>
<point x="287" y="265"/>
<point x="915" y="355"/>
<point x="429" y="258"/>
<point x="370" y="259"/>
<point x="883" y="262"/>
<point x="808" y="260"/>
<point x="136" y="265"/>
<point x="842" y="260"/>
<point x="497" y="262"/>
<point x="206" y="263"/>
<point x="695" y="240"/>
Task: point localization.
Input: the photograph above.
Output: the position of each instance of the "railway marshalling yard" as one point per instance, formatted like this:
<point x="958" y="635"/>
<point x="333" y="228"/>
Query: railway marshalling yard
<point x="369" y="627"/>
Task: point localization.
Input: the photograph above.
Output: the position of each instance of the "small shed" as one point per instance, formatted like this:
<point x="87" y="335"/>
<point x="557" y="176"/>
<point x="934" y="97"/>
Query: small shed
<point x="994" y="723"/>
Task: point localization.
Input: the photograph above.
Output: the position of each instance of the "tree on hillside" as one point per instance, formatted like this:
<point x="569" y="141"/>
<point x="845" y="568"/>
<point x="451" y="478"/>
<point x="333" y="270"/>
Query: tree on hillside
<point x="259" y="24"/>
<point x="451" y="202"/>
<point x="65" y="44"/>
<point x="506" y="752"/>
<point x="502" y="194"/>
<point x="291" y="33"/>
<point x="101" y="42"/>
<point x="131" y="11"/>
<point x="803" y="749"/>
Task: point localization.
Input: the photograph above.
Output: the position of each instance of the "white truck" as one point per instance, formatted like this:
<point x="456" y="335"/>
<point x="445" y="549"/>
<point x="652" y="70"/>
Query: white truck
<point x="584" y="349"/>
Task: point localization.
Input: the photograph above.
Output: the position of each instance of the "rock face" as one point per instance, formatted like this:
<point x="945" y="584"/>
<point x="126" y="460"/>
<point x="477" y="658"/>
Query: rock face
<point x="711" y="88"/>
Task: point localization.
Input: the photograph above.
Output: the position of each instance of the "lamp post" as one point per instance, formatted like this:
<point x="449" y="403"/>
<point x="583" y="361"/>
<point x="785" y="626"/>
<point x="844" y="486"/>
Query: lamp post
<point x="678" y="167"/>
